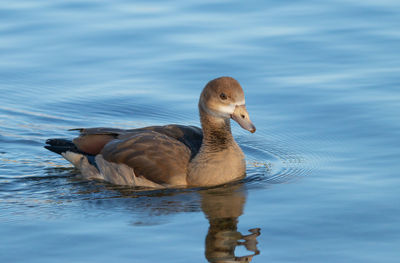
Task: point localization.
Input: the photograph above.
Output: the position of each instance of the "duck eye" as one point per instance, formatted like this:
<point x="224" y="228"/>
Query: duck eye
<point x="222" y="96"/>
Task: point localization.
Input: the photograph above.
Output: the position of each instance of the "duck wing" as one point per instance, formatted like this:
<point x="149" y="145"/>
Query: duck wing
<point x="93" y="140"/>
<point x="191" y="136"/>
<point x="152" y="155"/>
<point x="160" y="154"/>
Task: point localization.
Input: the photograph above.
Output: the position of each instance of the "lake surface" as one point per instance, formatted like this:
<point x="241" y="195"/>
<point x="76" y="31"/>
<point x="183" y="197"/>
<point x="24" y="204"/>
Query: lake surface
<point x="322" y="84"/>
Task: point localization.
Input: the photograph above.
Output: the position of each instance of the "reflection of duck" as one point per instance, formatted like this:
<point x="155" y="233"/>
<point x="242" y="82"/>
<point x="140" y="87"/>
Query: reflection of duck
<point x="223" y="206"/>
<point x="167" y="156"/>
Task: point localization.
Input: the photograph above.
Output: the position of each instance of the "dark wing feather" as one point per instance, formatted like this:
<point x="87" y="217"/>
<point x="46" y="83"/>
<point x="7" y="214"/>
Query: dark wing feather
<point x="191" y="136"/>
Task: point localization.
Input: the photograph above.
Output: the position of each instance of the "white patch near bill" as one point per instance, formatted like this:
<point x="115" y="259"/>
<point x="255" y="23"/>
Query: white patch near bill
<point x="229" y="109"/>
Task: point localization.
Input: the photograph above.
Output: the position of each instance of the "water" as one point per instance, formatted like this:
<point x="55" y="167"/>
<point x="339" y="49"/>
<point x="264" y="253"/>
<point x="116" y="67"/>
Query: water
<point x="322" y="87"/>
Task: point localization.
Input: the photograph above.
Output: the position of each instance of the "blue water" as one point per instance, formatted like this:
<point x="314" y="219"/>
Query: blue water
<point x="322" y="87"/>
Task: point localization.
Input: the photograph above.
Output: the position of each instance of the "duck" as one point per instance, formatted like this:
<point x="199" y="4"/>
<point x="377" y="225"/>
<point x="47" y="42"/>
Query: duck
<point x="169" y="156"/>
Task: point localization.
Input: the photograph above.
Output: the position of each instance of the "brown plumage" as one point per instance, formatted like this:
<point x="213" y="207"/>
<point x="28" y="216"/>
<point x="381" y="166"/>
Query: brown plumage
<point x="171" y="155"/>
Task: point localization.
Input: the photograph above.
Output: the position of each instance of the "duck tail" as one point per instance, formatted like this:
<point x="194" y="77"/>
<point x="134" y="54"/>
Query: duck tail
<point x="60" y="146"/>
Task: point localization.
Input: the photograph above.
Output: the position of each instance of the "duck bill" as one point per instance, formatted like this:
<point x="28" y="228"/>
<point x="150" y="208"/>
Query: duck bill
<point x="241" y="116"/>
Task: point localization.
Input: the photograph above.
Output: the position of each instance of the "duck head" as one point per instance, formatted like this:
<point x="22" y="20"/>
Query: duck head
<point x="224" y="98"/>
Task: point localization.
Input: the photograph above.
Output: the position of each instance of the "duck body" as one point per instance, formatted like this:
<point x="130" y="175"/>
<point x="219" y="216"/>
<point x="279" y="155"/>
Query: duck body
<point x="167" y="156"/>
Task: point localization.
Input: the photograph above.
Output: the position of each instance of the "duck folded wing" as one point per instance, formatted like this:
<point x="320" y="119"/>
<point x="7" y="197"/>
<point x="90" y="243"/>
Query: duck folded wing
<point x="152" y="155"/>
<point x="93" y="140"/>
<point x="191" y="136"/>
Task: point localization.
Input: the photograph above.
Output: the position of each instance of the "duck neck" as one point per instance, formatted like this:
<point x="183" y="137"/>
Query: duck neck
<point x="217" y="135"/>
<point x="220" y="159"/>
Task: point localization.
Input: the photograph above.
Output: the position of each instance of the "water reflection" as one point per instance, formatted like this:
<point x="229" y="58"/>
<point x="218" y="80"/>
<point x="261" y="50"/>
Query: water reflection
<point x="222" y="207"/>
